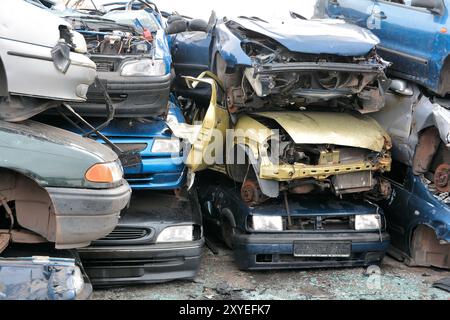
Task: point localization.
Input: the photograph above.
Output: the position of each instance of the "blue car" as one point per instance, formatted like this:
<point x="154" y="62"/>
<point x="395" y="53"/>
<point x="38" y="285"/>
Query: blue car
<point x="131" y="51"/>
<point x="299" y="232"/>
<point x="292" y="64"/>
<point x="414" y="35"/>
<point x="418" y="219"/>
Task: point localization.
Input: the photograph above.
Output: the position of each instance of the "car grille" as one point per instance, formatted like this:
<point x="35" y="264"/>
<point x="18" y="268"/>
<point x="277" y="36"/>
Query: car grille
<point x="105" y="66"/>
<point x="123" y="233"/>
<point x="321" y="223"/>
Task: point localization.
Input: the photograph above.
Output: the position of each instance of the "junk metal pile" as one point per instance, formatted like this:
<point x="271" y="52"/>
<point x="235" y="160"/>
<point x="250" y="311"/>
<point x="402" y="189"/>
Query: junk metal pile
<point x="130" y="136"/>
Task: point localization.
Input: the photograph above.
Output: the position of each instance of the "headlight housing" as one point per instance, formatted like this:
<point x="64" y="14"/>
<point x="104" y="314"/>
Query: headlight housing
<point x="143" y="68"/>
<point x="108" y="172"/>
<point x="267" y="223"/>
<point x="166" y="146"/>
<point x="367" y="222"/>
<point x="176" y="234"/>
<point x="79" y="42"/>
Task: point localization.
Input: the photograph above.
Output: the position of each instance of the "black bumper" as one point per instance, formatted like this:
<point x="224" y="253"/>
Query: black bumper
<point x="276" y="251"/>
<point x="131" y="96"/>
<point x="115" y="266"/>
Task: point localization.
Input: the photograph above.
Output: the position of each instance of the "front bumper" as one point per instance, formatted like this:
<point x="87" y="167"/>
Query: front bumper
<point x="276" y="251"/>
<point x="131" y="96"/>
<point x="85" y="215"/>
<point x="151" y="263"/>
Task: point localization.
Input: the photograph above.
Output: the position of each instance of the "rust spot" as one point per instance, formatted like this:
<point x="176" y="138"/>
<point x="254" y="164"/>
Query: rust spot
<point x="428" y="145"/>
<point x="442" y="178"/>
<point x="427" y="251"/>
<point x="251" y="192"/>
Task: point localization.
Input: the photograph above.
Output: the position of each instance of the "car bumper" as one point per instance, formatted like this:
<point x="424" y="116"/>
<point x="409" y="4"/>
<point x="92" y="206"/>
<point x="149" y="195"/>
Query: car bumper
<point x="153" y="263"/>
<point x="131" y="96"/>
<point x="85" y="215"/>
<point x="276" y="251"/>
<point x="157" y="173"/>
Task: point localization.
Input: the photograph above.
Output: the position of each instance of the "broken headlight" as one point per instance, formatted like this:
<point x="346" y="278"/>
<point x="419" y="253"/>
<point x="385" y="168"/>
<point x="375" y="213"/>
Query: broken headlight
<point x="367" y="222"/>
<point x="176" y="234"/>
<point x="78" y="42"/>
<point x="143" y="68"/>
<point x="267" y="223"/>
<point x="171" y="146"/>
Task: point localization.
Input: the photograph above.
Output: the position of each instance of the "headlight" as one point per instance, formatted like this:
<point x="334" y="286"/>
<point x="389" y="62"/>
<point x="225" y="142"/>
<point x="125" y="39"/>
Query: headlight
<point x="166" y="146"/>
<point x="79" y="42"/>
<point x="143" y="68"/>
<point x="77" y="280"/>
<point x="176" y="234"/>
<point x="367" y="222"/>
<point x="109" y="172"/>
<point x="267" y="223"/>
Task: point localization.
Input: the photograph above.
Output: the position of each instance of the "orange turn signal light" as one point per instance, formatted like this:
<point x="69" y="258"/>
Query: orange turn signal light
<point x="100" y="172"/>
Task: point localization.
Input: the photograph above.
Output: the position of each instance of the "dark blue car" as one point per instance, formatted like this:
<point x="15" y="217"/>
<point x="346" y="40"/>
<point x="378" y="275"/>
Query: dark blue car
<point x="414" y="35"/>
<point x="418" y="219"/>
<point x="301" y="232"/>
<point x="289" y="64"/>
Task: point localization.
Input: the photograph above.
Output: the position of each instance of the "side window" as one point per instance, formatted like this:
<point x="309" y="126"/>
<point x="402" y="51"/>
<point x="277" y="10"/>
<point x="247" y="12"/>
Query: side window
<point x="397" y="173"/>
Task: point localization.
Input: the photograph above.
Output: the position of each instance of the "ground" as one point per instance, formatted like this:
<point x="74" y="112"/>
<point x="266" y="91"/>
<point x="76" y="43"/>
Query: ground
<point x="219" y="278"/>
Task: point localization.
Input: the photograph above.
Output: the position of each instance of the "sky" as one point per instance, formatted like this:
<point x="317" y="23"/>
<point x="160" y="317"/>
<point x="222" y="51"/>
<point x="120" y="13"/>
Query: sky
<point x="202" y="8"/>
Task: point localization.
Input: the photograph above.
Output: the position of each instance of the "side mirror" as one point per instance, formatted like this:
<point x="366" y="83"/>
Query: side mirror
<point x="198" y="25"/>
<point x="401" y="87"/>
<point x="435" y="6"/>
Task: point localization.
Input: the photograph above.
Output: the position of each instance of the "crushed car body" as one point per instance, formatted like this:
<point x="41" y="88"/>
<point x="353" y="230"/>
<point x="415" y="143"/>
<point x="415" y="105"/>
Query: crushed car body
<point x="264" y="64"/>
<point x="39" y="272"/>
<point x="297" y="232"/>
<point x="131" y="52"/>
<point x="57" y="186"/>
<point x="296" y="152"/>
<point x="28" y="55"/>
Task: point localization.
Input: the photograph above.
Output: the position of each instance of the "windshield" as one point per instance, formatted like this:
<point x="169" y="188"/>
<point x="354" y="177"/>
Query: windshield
<point x="128" y="17"/>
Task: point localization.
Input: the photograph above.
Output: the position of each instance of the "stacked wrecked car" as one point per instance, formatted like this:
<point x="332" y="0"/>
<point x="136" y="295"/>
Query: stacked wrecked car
<point x="293" y="110"/>
<point x="417" y="117"/>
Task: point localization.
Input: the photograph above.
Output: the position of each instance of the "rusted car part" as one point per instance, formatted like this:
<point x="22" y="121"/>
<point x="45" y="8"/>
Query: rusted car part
<point x="405" y="117"/>
<point x="318" y="151"/>
<point x="427" y="250"/>
<point x="442" y="178"/>
<point x="27" y="274"/>
<point x="420" y="131"/>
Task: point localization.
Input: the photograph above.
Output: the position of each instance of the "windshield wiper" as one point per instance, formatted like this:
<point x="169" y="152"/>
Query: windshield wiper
<point x="253" y="18"/>
<point x="295" y="15"/>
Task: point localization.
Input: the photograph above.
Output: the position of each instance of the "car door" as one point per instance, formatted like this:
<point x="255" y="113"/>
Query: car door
<point x="407" y="35"/>
<point x="352" y="11"/>
<point x="207" y="148"/>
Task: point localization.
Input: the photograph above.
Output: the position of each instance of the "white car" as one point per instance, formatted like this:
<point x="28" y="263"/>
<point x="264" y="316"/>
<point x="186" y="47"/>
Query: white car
<point x="41" y="61"/>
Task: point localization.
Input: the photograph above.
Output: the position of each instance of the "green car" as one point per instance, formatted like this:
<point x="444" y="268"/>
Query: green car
<point x="56" y="186"/>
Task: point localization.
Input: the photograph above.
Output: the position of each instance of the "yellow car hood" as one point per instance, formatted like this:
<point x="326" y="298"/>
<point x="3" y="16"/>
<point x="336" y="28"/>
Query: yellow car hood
<point x="344" y="129"/>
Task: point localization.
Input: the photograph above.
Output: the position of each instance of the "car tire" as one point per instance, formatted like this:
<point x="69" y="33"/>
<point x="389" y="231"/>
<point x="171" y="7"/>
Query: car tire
<point x="198" y="25"/>
<point x="177" y="26"/>
<point x="227" y="230"/>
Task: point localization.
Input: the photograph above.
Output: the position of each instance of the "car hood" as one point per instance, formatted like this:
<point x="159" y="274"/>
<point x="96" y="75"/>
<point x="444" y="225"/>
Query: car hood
<point x="344" y="129"/>
<point x="324" y="36"/>
<point x="41" y="132"/>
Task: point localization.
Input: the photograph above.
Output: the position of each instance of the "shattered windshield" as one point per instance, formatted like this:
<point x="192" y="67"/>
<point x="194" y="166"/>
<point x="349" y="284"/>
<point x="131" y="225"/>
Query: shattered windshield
<point x="129" y="17"/>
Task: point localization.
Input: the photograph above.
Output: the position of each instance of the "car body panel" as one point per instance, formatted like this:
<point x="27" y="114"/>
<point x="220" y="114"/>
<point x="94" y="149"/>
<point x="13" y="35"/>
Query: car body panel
<point x="414" y="39"/>
<point x="315" y="36"/>
<point x="156" y="171"/>
<point x="22" y="47"/>
<point x="405" y="117"/>
<point x="42" y="278"/>
<point x="411" y="205"/>
<point x="331" y="128"/>
<point x="34" y="148"/>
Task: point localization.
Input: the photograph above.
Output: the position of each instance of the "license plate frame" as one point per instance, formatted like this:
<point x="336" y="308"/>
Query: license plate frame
<point x="322" y="249"/>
